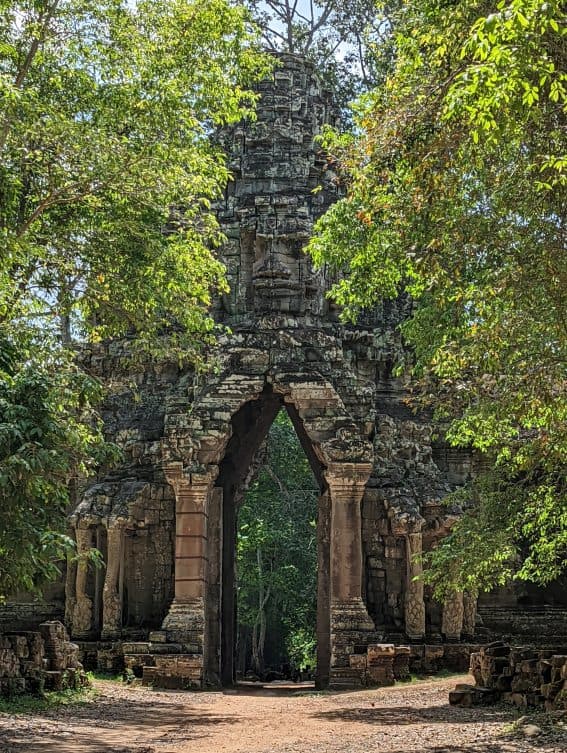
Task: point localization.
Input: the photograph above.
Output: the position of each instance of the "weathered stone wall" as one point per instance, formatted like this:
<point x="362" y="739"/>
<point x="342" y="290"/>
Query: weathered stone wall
<point x="522" y="675"/>
<point x="33" y="660"/>
<point x="26" y="612"/>
<point x="128" y="513"/>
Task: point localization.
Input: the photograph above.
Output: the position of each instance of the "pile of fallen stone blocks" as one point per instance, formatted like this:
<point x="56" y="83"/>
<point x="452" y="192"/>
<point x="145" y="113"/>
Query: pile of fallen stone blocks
<point x="164" y="665"/>
<point x="33" y="660"/>
<point x="524" y="676"/>
<point x="62" y="668"/>
<point x="21" y="663"/>
<point x="381" y="664"/>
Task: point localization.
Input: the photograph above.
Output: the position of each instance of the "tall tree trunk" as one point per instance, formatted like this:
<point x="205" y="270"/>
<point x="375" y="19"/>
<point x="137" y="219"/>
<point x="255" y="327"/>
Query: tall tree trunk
<point x="259" y="629"/>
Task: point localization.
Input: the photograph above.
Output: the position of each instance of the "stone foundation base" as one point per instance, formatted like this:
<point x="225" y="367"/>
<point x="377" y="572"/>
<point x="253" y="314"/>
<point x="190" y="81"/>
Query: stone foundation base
<point x="381" y="664"/>
<point x="365" y="661"/>
<point x="176" y="671"/>
<point x="184" y="623"/>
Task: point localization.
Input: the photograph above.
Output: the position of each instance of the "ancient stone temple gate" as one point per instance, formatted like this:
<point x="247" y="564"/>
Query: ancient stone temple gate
<point x="166" y="519"/>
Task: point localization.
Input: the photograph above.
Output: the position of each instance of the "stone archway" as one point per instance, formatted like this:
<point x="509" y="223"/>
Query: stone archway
<point x="227" y="424"/>
<point x="250" y="426"/>
<point x="179" y="430"/>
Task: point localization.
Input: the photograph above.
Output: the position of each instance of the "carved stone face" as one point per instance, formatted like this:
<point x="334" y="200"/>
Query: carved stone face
<point x="281" y="186"/>
<point x="276" y="277"/>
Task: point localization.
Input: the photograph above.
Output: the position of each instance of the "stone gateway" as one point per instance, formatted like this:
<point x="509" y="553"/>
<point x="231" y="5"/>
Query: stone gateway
<point x="165" y="519"/>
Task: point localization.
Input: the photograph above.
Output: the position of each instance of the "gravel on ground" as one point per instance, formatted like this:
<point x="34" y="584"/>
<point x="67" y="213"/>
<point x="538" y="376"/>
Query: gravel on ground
<point x="406" y="718"/>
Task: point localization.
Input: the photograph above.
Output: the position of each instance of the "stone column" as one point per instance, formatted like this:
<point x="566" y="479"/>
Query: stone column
<point x="83" y="609"/>
<point x="111" y="600"/>
<point x="212" y="649"/>
<point x="469" y="614"/>
<point x="453" y="613"/>
<point x="346" y="483"/>
<point x="414" y="605"/>
<point x="70" y="585"/>
<point x="323" y="592"/>
<point x="185" y="621"/>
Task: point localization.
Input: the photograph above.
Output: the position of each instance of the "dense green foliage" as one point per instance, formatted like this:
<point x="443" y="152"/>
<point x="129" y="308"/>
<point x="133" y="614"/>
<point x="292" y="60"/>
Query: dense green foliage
<point x="456" y="195"/>
<point x="104" y="136"/>
<point x="277" y="553"/>
<point x="45" y="438"/>
<point x="107" y="175"/>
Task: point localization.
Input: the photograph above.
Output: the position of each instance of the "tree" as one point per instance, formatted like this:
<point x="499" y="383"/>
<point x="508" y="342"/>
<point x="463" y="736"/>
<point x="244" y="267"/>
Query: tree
<point x="277" y="551"/>
<point x="45" y="440"/>
<point x="343" y="38"/>
<point x="108" y="109"/>
<point x="456" y="195"/>
<point x="107" y="175"/>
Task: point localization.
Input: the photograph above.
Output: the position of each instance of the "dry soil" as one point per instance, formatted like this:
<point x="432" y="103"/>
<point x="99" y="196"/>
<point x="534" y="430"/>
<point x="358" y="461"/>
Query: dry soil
<point x="407" y="718"/>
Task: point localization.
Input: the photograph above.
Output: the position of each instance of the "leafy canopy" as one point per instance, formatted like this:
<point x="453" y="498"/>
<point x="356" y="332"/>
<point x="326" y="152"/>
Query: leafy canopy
<point x="107" y="175"/>
<point x="108" y="171"/>
<point x="48" y="435"/>
<point x="456" y="195"/>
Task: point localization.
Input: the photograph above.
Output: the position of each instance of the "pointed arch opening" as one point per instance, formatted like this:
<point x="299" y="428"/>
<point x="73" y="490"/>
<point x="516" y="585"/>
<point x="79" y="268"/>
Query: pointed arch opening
<point x="239" y="471"/>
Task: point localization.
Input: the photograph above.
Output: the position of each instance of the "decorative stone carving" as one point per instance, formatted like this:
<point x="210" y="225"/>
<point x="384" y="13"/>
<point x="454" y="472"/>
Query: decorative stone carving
<point x="83" y="607"/>
<point x="111" y="593"/>
<point x="453" y="613"/>
<point x="469" y="614"/>
<point x="414" y="604"/>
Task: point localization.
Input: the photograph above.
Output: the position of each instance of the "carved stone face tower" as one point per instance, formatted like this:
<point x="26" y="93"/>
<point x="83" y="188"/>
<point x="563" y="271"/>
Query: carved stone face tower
<point x="166" y="520"/>
<point x="281" y="186"/>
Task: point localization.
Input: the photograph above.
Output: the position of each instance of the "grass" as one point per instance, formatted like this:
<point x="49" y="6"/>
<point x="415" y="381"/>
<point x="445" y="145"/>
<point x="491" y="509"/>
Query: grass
<point x="108" y="676"/>
<point x="30" y="704"/>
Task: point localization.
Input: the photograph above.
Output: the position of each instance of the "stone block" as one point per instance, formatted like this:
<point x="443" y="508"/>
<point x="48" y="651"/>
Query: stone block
<point x="401" y="666"/>
<point x="471" y="695"/>
<point x="381" y="675"/>
<point x="432" y="652"/>
<point x="136" y="647"/>
<point x="357" y="661"/>
<point x="158" y="636"/>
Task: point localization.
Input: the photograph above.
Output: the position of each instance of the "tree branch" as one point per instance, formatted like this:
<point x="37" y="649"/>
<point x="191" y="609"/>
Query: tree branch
<point x="24" y="70"/>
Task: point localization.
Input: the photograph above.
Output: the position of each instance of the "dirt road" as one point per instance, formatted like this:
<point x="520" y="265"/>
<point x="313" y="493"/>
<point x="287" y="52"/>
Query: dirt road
<point x="403" y="719"/>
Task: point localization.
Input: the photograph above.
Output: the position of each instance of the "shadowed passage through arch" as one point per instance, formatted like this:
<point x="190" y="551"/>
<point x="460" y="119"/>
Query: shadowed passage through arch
<point x="272" y="475"/>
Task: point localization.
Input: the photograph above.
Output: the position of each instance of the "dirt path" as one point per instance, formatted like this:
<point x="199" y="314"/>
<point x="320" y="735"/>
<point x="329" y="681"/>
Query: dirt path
<point x="404" y="719"/>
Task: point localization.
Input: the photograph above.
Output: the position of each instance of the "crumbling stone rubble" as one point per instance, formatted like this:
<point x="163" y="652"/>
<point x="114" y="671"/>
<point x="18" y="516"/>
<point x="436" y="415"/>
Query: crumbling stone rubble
<point x="524" y="676"/>
<point x="33" y="661"/>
